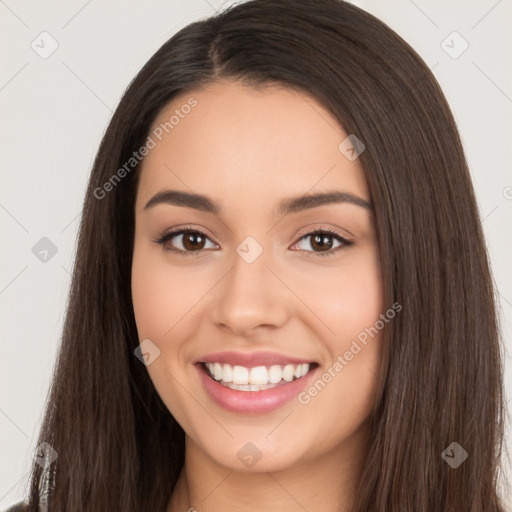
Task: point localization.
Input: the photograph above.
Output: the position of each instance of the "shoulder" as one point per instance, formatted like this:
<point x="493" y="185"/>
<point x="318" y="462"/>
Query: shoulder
<point x="18" y="507"/>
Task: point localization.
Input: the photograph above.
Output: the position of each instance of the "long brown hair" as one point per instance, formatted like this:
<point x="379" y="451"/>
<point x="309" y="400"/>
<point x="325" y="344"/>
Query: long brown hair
<point x="118" y="446"/>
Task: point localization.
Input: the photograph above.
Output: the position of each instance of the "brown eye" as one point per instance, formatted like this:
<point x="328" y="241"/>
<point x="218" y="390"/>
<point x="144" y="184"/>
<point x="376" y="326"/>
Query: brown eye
<point x="193" y="241"/>
<point x="323" y="242"/>
<point x="185" y="241"/>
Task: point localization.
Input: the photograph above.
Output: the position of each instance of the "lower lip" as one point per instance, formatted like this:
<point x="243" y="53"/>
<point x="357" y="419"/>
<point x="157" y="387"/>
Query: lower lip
<point x="252" y="402"/>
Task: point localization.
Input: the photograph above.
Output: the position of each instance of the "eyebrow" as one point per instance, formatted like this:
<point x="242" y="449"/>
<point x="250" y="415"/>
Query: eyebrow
<point x="287" y="206"/>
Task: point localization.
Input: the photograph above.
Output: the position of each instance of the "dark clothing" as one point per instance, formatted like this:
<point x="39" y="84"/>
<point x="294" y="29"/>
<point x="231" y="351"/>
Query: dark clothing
<point x="18" y="507"/>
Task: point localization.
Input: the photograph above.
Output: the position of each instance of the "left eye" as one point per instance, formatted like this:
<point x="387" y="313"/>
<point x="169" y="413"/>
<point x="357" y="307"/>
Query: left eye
<point x="322" y="242"/>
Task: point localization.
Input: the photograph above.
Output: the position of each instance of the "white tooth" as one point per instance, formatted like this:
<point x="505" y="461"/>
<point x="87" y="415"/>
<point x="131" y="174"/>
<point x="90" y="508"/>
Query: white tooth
<point x="288" y="372"/>
<point x="266" y="386"/>
<point x="227" y="373"/>
<point x="275" y="374"/>
<point x="217" y="371"/>
<point x="258" y="375"/>
<point x="247" y="387"/>
<point x="240" y="375"/>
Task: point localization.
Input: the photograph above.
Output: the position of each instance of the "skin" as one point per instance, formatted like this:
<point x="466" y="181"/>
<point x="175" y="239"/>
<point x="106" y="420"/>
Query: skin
<point x="248" y="149"/>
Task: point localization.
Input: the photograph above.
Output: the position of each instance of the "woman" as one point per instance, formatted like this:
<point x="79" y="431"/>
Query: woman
<point x="281" y="297"/>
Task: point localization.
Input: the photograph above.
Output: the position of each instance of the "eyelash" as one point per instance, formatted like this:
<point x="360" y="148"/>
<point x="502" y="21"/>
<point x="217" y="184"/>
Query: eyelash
<point x="326" y="231"/>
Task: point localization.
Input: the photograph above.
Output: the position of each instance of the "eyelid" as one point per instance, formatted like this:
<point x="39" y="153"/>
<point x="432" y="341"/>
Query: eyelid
<point x="177" y="230"/>
<point x="319" y="226"/>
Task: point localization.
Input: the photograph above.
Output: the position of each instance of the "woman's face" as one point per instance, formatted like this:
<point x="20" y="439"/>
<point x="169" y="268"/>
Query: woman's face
<point x="252" y="290"/>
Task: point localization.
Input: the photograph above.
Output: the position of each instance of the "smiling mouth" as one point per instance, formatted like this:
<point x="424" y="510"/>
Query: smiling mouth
<point x="257" y="378"/>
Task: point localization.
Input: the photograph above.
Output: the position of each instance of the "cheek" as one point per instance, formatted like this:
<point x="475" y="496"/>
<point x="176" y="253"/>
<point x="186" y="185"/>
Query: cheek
<point x="351" y="300"/>
<point x="161" y="299"/>
<point x="162" y="295"/>
<point x="344" y="393"/>
<point x="152" y="300"/>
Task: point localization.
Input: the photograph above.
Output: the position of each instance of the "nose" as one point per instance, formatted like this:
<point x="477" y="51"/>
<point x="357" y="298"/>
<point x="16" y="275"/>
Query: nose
<point x="251" y="296"/>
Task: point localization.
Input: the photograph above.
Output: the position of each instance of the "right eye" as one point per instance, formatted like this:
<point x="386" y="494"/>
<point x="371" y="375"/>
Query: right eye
<point x="190" y="240"/>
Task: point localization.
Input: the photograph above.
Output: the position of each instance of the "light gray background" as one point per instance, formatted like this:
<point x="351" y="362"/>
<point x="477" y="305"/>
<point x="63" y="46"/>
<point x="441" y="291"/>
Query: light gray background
<point x="54" y="113"/>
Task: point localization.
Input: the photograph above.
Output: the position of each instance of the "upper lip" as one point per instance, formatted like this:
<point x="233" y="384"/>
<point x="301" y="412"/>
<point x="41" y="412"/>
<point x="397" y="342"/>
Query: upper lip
<point x="251" y="359"/>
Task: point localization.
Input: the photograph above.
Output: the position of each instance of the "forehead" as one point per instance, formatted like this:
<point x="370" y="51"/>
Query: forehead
<point x="241" y="144"/>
